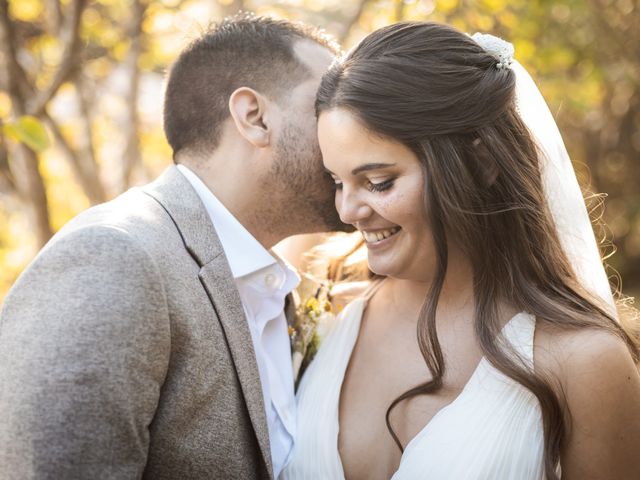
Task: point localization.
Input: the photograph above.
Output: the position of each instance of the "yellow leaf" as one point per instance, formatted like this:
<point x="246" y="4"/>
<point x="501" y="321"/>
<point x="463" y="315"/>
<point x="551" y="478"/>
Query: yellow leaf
<point x="26" y="10"/>
<point x="30" y="131"/>
<point x="494" y="5"/>
<point x="5" y="105"/>
<point x="446" y="6"/>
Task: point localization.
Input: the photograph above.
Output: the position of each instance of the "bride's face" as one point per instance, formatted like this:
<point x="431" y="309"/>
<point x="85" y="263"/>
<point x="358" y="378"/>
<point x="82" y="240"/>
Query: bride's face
<point x="379" y="190"/>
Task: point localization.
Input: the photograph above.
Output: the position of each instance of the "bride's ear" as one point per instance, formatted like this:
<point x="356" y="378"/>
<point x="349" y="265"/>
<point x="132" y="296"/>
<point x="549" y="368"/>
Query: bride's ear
<point x="248" y="110"/>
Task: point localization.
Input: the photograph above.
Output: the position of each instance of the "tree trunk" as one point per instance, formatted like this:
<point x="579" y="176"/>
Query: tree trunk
<point x="132" y="156"/>
<point x="29" y="183"/>
<point x="31" y="188"/>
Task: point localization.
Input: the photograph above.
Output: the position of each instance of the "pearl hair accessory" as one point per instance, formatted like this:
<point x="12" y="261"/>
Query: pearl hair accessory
<point x="498" y="48"/>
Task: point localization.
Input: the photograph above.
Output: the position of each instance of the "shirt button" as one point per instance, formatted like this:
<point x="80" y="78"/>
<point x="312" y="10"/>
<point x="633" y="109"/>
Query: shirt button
<point x="270" y="280"/>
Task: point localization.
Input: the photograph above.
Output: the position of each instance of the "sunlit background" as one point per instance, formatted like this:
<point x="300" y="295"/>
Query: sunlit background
<point x="81" y="87"/>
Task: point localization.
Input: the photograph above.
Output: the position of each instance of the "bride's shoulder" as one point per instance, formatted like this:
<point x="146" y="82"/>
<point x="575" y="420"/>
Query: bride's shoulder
<point x="591" y="366"/>
<point x="573" y="352"/>
<point x="598" y="385"/>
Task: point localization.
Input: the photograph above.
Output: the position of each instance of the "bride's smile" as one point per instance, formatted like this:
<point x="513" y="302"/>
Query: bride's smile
<point x="375" y="238"/>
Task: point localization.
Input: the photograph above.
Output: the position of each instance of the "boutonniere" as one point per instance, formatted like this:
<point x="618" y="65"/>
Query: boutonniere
<point x="314" y="315"/>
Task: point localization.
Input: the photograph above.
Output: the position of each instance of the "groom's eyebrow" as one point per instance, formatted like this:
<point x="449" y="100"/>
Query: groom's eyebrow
<point x="370" y="166"/>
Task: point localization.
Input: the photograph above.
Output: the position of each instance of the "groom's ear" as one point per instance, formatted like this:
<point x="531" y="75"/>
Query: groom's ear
<point x="249" y="113"/>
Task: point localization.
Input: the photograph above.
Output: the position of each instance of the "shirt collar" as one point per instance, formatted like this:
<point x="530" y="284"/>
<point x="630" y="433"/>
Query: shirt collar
<point x="244" y="253"/>
<point x="278" y="279"/>
<point x="263" y="292"/>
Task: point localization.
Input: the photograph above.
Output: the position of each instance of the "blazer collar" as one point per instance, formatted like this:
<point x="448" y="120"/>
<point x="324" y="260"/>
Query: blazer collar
<point x="181" y="202"/>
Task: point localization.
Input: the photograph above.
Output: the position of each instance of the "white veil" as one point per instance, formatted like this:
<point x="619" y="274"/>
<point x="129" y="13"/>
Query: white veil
<point x="562" y="190"/>
<point x="561" y="187"/>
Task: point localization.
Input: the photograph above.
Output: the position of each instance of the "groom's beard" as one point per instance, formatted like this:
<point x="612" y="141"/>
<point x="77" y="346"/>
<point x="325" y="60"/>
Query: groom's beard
<point x="304" y="190"/>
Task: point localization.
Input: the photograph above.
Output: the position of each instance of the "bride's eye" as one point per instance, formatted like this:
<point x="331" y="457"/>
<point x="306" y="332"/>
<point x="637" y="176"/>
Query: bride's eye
<point x="381" y="186"/>
<point x="338" y="184"/>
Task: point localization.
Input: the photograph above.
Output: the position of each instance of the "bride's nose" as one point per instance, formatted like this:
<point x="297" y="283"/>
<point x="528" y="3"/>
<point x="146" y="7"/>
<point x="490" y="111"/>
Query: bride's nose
<point x="351" y="207"/>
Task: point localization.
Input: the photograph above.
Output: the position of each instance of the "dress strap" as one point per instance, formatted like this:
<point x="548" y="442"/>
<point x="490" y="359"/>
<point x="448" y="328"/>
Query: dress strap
<point x="372" y="288"/>
<point x="519" y="332"/>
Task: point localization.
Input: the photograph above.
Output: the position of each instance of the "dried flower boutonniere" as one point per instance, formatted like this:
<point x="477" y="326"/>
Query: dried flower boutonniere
<point x="313" y="317"/>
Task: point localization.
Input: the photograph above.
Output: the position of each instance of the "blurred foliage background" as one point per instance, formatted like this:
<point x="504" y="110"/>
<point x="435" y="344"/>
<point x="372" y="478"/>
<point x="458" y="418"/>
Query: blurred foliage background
<point x="81" y="90"/>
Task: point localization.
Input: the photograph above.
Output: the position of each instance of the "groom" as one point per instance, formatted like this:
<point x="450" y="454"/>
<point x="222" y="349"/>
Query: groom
<point x="148" y="339"/>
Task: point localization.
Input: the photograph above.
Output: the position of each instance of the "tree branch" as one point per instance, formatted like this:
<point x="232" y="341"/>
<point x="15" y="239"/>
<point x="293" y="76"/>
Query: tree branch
<point x="400" y="6"/>
<point x="14" y="73"/>
<point x="5" y="171"/>
<point x="54" y="15"/>
<point x="352" y="21"/>
<point x="84" y="171"/>
<point x="72" y="44"/>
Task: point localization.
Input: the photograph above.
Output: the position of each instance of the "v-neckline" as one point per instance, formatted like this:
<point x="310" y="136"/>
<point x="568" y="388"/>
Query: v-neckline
<point x="479" y="367"/>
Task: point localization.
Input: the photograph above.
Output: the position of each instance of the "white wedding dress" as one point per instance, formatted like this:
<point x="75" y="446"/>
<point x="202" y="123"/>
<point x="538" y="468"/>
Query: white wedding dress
<point x="491" y="431"/>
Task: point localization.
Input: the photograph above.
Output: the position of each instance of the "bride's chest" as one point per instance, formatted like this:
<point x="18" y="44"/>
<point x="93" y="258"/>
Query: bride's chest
<point x="366" y="446"/>
<point x="383" y="367"/>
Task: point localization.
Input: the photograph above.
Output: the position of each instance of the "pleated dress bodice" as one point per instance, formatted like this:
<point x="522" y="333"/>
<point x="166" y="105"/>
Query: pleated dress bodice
<point x="491" y="431"/>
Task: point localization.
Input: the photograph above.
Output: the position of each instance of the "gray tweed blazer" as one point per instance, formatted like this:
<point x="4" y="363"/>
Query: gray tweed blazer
<point x="125" y="352"/>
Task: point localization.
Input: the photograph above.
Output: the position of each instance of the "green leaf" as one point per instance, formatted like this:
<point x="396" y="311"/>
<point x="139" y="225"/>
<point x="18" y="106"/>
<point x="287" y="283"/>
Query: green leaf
<point x="30" y="131"/>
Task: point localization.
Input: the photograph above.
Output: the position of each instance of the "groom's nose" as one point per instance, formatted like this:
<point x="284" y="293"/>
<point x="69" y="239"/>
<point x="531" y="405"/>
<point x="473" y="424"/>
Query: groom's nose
<point x="351" y="207"/>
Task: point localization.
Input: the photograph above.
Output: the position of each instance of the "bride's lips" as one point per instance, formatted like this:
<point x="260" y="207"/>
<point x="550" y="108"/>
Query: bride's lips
<point x="381" y="237"/>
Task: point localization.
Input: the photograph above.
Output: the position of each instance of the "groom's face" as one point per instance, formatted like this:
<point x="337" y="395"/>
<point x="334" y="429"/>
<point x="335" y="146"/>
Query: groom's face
<point x="297" y="168"/>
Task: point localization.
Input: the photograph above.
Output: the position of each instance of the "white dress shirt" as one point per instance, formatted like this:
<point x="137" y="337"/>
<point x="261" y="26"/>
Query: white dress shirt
<point x="263" y="281"/>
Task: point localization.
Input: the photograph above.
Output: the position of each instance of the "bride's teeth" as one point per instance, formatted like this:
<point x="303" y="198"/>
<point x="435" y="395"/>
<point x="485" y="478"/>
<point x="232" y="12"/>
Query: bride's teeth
<point x="373" y="237"/>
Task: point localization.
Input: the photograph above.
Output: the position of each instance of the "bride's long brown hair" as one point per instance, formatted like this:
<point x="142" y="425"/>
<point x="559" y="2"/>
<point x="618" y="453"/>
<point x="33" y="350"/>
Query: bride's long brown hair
<point x="438" y="92"/>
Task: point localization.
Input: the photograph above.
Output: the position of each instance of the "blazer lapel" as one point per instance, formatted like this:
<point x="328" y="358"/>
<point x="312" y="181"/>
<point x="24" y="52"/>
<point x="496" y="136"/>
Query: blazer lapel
<point x="218" y="282"/>
<point x="176" y="195"/>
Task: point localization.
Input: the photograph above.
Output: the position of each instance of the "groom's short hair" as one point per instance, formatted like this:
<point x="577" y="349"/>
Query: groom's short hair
<point x="242" y="51"/>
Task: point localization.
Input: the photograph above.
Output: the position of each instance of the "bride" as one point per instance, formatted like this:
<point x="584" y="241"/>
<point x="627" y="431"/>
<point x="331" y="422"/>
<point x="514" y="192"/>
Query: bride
<point x="519" y="369"/>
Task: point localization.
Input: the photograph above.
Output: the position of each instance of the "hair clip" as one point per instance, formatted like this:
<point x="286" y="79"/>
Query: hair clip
<point x="498" y="48"/>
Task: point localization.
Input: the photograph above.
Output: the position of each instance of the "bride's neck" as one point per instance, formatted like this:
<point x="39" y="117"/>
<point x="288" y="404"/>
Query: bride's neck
<point x="457" y="289"/>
